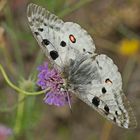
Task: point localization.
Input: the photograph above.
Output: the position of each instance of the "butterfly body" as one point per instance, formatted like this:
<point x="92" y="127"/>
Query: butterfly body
<point x="93" y="78"/>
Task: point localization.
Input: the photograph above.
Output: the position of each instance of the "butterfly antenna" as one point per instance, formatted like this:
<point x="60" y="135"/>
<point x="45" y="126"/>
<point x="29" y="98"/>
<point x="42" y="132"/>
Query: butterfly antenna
<point x="69" y="102"/>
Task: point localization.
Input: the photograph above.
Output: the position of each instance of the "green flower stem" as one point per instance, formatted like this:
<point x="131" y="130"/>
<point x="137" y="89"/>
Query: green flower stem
<point x="18" y="89"/>
<point x="21" y="97"/>
<point x="19" y="115"/>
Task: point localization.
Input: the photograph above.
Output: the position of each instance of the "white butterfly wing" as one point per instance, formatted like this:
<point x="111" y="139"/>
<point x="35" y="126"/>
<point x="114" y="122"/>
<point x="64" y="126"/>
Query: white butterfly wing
<point x="61" y="41"/>
<point x="94" y="79"/>
<point x="97" y="82"/>
<point x="45" y="27"/>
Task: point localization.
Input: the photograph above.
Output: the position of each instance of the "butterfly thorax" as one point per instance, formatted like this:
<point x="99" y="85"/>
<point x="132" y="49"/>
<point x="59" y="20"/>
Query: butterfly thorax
<point x="79" y="73"/>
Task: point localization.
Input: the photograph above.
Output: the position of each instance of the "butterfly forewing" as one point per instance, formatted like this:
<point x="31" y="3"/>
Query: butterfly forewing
<point x="52" y="34"/>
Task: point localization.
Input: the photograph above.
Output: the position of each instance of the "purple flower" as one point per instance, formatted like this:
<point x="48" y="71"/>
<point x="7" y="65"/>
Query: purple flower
<point x="4" y="132"/>
<point x="52" y="79"/>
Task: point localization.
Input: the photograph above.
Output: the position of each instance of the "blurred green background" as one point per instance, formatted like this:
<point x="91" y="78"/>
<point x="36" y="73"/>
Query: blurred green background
<point x="115" y="28"/>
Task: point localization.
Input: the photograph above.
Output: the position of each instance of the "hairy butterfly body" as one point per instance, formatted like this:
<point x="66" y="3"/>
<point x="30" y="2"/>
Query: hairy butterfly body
<point x="93" y="78"/>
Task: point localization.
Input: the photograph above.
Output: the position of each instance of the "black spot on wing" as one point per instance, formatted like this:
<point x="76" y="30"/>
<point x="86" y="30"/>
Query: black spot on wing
<point x="63" y="43"/>
<point x="84" y="49"/>
<point x="108" y="80"/>
<point x="103" y="90"/>
<point x="51" y="26"/>
<point x="114" y="119"/>
<point x="99" y="65"/>
<point x="36" y="33"/>
<point x="89" y="52"/>
<point x="116" y="113"/>
<point x="96" y="101"/>
<point x="54" y="54"/>
<point x="106" y="108"/>
<point x="97" y="62"/>
<point x="45" y="42"/>
<point x="40" y="29"/>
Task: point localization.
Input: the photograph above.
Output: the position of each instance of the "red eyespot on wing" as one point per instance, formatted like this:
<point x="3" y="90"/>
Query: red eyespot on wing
<point x="108" y="81"/>
<point x="72" y="38"/>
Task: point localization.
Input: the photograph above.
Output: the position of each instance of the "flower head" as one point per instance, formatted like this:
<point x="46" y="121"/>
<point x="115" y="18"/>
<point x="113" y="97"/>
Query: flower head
<point x="52" y="79"/>
<point x="4" y="132"/>
<point x="129" y="47"/>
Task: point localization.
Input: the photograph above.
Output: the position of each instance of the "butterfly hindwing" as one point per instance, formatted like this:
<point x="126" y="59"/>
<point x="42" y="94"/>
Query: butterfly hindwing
<point x="112" y="101"/>
<point x="97" y="82"/>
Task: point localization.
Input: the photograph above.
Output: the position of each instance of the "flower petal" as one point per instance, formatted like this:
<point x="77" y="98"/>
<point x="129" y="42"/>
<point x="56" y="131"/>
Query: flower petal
<point x="52" y="79"/>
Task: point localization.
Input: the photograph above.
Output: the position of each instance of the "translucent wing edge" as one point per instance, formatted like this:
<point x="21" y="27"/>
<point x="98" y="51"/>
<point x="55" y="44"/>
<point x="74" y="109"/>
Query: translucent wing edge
<point x="132" y="120"/>
<point x="37" y="14"/>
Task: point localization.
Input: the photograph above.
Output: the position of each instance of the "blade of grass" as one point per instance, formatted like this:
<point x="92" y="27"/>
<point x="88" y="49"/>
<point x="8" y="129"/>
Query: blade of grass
<point x="8" y="60"/>
<point x="13" y="35"/>
<point x="37" y="62"/>
<point x="72" y="8"/>
<point x="128" y="70"/>
<point x="10" y="109"/>
<point x="127" y="32"/>
<point x="17" y="50"/>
